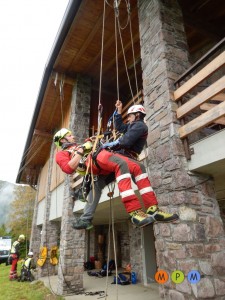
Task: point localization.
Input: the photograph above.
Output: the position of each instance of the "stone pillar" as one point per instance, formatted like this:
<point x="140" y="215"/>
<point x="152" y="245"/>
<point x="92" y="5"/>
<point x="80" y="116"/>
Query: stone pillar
<point x="72" y="242"/>
<point x="35" y="237"/>
<point x="136" y="258"/>
<point x="50" y="229"/>
<point x="197" y="241"/>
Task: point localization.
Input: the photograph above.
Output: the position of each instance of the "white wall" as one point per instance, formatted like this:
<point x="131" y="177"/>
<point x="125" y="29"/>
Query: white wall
<point x="41" y="211"/>
<point x="56" y="202"/>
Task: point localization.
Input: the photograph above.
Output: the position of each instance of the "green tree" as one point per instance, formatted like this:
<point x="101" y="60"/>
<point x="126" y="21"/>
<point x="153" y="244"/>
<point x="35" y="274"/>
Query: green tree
<point x="4" y="231"/>
<point x="21" y="212"/>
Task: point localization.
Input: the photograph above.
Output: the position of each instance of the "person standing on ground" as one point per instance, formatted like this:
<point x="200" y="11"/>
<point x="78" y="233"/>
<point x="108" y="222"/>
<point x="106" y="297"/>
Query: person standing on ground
<point x="15" y="254"/>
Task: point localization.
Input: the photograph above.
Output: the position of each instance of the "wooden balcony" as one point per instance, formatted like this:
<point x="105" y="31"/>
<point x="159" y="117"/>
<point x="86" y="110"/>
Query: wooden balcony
<point x="200" y="94"/>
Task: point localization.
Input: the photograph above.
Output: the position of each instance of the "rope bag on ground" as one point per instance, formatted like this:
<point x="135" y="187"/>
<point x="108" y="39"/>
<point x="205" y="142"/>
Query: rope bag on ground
<point x="53" y="255"/>
<point x="42" y="256"/>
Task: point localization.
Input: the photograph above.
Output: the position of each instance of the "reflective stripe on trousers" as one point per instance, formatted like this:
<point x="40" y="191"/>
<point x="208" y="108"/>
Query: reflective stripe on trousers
<point x="124" y="167"/>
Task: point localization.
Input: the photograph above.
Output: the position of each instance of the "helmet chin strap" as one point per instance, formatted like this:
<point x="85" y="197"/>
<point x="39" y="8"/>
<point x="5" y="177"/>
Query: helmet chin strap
<point x="68" y="144"/>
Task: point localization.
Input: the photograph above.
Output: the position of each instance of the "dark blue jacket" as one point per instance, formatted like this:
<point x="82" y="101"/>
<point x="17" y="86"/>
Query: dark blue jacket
<point x="134" y="134"/>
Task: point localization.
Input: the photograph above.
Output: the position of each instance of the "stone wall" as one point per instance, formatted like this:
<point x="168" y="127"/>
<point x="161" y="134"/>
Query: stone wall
<point x="73" y="242"/>
<point x="197" y="241"/>
<point x="50" y="230"/>
<point x="136" y="258"/>
<point x="35" y="239"/>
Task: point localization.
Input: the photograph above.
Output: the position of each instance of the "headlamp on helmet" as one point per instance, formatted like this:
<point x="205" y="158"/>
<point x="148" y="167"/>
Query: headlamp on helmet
<point x="136" y="108"/>
<point x="59" y="135"/>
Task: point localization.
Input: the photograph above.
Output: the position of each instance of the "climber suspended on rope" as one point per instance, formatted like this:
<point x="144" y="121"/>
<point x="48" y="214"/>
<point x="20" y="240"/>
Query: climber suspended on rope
<point x="107" y="162"/>
<point x="134" y="137"/>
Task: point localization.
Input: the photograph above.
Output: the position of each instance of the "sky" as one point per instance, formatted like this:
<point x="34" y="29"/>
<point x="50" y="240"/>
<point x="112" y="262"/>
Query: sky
<point x="28" y="30"/>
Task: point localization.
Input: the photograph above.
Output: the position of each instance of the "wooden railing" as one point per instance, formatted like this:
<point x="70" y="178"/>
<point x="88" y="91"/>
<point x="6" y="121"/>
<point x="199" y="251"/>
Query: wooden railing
<point x="201" y="98"/>
<point x="211" y="113"/>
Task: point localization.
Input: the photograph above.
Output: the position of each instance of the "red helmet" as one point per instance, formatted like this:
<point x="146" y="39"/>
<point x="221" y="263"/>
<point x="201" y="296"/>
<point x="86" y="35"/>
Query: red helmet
<point x="136" y="108"/>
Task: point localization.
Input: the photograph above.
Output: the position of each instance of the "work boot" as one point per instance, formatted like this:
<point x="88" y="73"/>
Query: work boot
<point x="140" y="219"/>
<point x="161" y="216"/>
<point x="82" y="224"/>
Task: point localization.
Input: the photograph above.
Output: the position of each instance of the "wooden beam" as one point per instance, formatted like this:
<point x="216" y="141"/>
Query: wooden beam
<point x="43" y="133"/>
<point x="203" y="120"/>
<point x="66" y="79"/>
<point x="208" y="70"/>
<point x="208" y="106"/>
<point x="77" y="183"/>
<point x="88" y="40"/>
<point x="202" y="97"/>
<point x="218" y="97"/>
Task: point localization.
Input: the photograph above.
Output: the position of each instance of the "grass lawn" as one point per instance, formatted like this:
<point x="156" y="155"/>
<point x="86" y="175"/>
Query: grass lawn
<point x="14" y="290"/>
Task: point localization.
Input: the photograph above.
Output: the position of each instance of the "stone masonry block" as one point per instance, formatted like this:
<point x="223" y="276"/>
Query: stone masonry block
<point x="187" y="213"/>
<point x="220" y="286"/>
<point x="204" y="289"/>
<point x="218" y="263"/>
<point x="182" y="233"/>
<point x="214" y="227"/>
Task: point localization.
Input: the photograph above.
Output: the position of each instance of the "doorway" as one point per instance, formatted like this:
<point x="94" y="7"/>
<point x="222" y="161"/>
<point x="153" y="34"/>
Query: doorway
<point x="149" y="255"/>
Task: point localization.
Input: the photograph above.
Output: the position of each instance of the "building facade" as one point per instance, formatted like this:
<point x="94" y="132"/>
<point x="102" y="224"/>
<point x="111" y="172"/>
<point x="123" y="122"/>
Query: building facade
<point x="197" y="241"/>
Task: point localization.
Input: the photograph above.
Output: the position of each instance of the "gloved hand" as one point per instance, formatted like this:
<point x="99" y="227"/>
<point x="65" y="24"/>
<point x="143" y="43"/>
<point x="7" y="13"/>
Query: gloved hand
<point x="88" y="145"/>
<point x="112" y="145"/>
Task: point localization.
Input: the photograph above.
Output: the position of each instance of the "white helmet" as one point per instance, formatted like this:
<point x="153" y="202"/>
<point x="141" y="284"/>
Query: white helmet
<point x="136" y="108"/>
<point x="30" y="253"/>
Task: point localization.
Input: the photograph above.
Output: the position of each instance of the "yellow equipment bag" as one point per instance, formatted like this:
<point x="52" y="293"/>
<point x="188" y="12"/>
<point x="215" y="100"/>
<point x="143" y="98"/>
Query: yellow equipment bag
<point x="53" y="256"/>
<point x="42" y="256"/>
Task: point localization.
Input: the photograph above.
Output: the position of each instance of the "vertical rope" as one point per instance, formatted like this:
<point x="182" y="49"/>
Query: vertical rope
<point x="108" y="250"/>
<point x="102" y="48"/>
<point x="132" y="43"/>
<point x="114" y="248"/>
<point x="117" y="69"/>
<point x="124" y="57"/>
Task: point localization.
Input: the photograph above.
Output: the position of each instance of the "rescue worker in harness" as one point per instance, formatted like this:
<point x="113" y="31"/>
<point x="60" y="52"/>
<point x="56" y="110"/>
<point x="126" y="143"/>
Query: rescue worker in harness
<point x="27" y="267"/>
<point x="123" y="167"/>
<point x="14" y="257"/>
<point x="133" y="140"/>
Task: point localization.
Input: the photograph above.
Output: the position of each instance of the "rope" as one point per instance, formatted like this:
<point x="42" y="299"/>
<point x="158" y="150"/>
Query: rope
<point x="100" y="108"/>
<point x="114" y="240"/>
<point x="132" y="43"/>
<point x="102" y="50"/>
<point x="124" y="56"/>
<point x="127" y="21"/>
<point x="117" y="71"/>
<point x="111" y="224"/>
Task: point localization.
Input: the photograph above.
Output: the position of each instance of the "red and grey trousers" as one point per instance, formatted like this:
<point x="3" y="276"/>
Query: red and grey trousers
<point x="13" y="270"/>
<point x="125" y="169"/>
